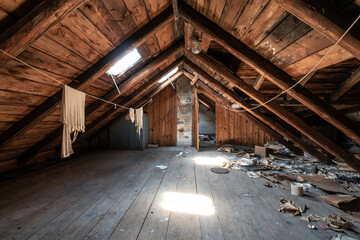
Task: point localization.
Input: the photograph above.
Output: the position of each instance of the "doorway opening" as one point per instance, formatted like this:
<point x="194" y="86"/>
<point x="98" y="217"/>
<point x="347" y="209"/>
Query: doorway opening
<point x="207" y="122"/>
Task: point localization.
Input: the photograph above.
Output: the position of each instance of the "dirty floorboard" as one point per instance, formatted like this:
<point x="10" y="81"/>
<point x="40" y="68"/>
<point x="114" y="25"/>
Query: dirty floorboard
<point x="123" y="195"/>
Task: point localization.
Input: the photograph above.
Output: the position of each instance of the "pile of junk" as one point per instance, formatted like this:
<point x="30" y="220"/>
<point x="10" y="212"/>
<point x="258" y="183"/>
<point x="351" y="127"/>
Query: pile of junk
<point x="337" y="185"/>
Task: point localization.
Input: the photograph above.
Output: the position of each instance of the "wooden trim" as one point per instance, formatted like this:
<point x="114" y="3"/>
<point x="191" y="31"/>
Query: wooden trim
<point x="90" y="75"/>
<point x="195" y="119"/>
<point x="272" y="73"/>
<point x="29" y="28"/>
<point x="320" y="23"/>
<point x="346" y="86"/>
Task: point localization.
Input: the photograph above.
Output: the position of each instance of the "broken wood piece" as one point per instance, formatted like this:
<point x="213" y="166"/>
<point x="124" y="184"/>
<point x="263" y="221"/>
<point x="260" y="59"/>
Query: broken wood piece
<point x="282" y="181"/>
<point x="323" y="183"/>
<point x="340" y="200"/>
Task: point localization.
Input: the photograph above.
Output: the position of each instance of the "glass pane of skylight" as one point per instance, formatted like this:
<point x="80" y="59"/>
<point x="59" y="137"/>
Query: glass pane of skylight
<point x="172" y="72"/>
<point x="125" y="63"/>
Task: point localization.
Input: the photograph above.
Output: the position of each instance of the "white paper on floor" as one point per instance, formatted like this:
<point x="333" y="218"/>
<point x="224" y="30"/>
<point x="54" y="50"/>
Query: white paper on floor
<point x="161" y="166"/>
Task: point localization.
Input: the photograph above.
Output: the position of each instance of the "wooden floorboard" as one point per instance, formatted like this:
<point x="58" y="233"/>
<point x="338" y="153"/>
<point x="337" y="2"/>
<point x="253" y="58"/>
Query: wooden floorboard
<point x="123" y="195"/>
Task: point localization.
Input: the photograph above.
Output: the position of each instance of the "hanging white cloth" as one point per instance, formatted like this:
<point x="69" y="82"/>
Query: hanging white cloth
<point x="72" y="117"/>
<point x="139" y="119"/>
<point x="132" y="114"/>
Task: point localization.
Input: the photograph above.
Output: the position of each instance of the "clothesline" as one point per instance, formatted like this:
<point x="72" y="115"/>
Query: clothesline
<point x="54" y="79"/>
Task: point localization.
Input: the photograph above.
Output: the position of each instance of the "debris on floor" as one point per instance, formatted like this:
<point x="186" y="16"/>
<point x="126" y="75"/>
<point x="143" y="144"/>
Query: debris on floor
<point x="281" y="180"/>
<point x="162" y="167"/>
<point x="323" y="183"/>
<point x="337" y="223"/>
<point x="291" y="207"/>
<point x="226" y="165"/>
<point x="229" y="148"/>
<point x="180" y="154"/>
<point x="252" y="174"/>
<point x="267" y="184"/>
<point x="219" y="170"/>
<point x="311" y="226"/>
<point x="311" y="218"/>
<point x="342" y="237"/>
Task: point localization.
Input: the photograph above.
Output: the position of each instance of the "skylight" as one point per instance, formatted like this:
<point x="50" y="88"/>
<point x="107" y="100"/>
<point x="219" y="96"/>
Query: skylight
<point x="172" y="72"/>
<point x="125" y="63"/>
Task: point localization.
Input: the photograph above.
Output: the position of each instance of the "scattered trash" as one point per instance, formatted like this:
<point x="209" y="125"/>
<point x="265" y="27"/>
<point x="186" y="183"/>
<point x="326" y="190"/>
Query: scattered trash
<point x="342" y="237"/>
<point x="296" y="189"/>
<point x="152" y="145"/>
<point x="267" y="184"/>
<point x="291" y="207"/>
<point x="311" y="218"/>
<point x="152" y="231"/>
<point x="235" y="149"/>
<point x="323" y="227"/>
<point x="339" y="200"/>
<point x="122" y="230"/>
<point x="219" y="170"/>
<point x="337" y="223"/>
<point x="180" y="154"/>
<point x="164" y="220"/>
<point x="252" y="174"/>
<point x="323" y="183"/>
<point x="281" y="180"/>
<point x="226" y="165"/>
<point x="311" y="226"/>
<point x="162" y="167"/>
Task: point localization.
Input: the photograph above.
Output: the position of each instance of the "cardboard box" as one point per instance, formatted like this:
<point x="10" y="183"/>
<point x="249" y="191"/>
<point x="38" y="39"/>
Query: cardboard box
<point x="263" y="151"/>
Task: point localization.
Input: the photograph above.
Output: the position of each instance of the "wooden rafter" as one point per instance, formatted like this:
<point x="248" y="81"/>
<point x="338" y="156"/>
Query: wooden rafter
<point x="303" y="82"/>
<point x="258" y="82"/>
<point x="281" y="112"/>
<point x="28" y="29"/>
<point x="272" y="73"/>
<point x="56" y="135"/>
<point x="260" y="116"/>
<point x="320" y="23"/>
<point x="346" y="86"/>
<point x="90" y="75"/>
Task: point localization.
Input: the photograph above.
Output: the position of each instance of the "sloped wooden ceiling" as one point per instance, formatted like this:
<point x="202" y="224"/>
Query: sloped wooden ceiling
<point x="73" y="49"/>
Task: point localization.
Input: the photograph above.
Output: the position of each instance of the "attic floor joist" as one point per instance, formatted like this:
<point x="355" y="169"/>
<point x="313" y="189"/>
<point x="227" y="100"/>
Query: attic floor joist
<point x="93" y="73"/>
<point x="272" y="72"/>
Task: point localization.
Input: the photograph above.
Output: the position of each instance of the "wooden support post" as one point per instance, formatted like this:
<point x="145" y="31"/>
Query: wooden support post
<point x="280" y="112"/>
<point x="272" y="73"/>
<point x="346" y="86"/>
<point x="195" y="119"/>
<point x="33" y="25"/>
<point x="320" y="23"/>
<point x="90" y="75"/>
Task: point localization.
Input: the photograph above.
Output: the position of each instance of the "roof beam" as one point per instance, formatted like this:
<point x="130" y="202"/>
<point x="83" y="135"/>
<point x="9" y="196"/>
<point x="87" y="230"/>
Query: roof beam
<point x="28" y="29"/>
<point x="258" y="82"/>
<point x="90" y="75"/>
<point x="56" y="134"/>
<point x="259" y="115"/>
<point x="346" y="86"/>
<point x="272" y="73"/>
<point x="320" y="23"/>
<point x="281" y="112"/>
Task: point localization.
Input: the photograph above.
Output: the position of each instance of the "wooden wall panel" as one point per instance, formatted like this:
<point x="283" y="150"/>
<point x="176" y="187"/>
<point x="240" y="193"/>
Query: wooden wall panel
<point x="163" y="118"/>
<point x="233" y="128"/>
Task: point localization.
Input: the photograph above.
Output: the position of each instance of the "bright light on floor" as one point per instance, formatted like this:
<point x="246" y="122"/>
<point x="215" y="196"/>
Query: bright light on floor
<point x="125" y="63"/>
<point x="172" y="72"/>
<point x="188" y="203"/>
<point x="210" y="160"/>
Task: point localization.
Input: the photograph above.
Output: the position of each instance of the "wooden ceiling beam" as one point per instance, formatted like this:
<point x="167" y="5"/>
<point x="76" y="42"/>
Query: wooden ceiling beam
<point x="281" y="112"/>
<point x="346" y="86"/>
<point x="33" y="25"/>
<point x="320" y="23"/>
<point x="90" y="75"/>
<point x="56" y="134"/>
<point x="269" y="125"/>
<point x="272" y="72"/>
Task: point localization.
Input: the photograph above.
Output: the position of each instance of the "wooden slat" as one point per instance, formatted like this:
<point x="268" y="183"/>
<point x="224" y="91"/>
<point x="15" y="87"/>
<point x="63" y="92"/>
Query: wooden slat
<point x="273" y="73"/>
<point x="258" y="82"/>
<point x="25" y="31"/>
<point x="346" y="86"/>
<point x="88" y="76"/>
<point x="322" y="24"/>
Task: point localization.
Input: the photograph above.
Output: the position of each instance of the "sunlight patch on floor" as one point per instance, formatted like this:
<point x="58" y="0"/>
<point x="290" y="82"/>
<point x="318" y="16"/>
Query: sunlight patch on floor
<point x="210" y="160"/>
<point x="188" y="203"/>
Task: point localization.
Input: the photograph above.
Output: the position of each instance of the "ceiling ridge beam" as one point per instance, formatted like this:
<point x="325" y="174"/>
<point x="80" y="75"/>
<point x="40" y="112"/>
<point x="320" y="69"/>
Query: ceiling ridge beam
<point x="309" y="15"/>
<point x="56" y="134"/>
<point x="33" y="25"/>
<point x="259" y="115"/>
<point x="272" y="73"/>
<point x="90" y="75"/>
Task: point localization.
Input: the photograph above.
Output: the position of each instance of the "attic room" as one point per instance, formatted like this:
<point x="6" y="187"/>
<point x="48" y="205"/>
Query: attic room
<point x="181" y="119"/>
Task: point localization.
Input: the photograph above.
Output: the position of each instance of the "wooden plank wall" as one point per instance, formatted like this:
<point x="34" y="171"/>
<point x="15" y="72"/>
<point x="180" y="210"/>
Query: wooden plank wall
<point x="234" y="128"/>
<point x="163" y="118"/>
